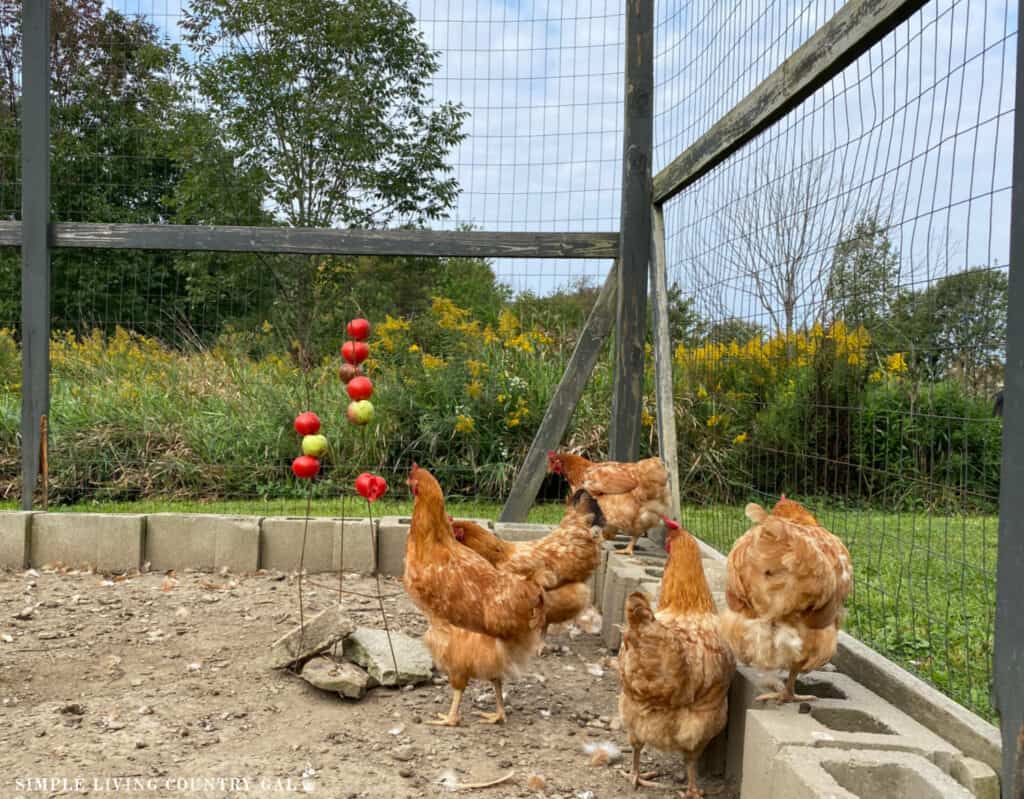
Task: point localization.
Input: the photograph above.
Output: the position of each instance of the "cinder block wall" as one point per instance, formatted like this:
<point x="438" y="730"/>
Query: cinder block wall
<point x="874" y="729"/>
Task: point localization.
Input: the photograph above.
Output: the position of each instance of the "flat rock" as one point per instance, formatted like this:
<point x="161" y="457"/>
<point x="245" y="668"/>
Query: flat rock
<point x="347" y="679"/>
<point x="369" y="648"/>
<point x="321" y="632"/>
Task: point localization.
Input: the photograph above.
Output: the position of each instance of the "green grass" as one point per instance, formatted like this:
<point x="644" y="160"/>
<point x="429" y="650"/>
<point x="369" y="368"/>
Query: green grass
<point x="924" y="592"/>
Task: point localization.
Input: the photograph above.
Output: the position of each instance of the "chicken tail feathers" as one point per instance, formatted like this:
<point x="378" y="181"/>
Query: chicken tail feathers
<point x="755" y="512"/>
<point x="584" y="502"/>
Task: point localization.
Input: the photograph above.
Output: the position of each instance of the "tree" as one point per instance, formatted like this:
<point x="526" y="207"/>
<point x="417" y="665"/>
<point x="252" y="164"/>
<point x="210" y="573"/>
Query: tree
<point x="127" y="146"/>
<point x="329" y="101"/>
<point x="862" y="284"/>
<point x="956" y="327"/>
<point x="777" y="239"/>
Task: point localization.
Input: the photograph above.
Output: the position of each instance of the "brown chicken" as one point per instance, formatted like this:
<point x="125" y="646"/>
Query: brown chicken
<point x="786" y="581"/>
<point x="633" y="497"/>
<point x="562" y="561"/>
<point x="674" y="665"/>
<point x="484" y="623"/>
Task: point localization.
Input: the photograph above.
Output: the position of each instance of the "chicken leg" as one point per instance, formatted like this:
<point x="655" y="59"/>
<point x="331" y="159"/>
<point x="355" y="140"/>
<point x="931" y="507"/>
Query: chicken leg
<point x="498" y="717"/>
<point x="628" y="549"/>
<point x="635" y="776"/>
<point x="787" y="695"/>
<point x="692" y="791"/>
<point x="452" y="719"/>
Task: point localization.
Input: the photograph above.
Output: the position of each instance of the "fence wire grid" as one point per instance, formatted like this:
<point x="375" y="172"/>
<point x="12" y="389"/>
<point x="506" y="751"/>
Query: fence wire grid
<point x="838" y="286"/>
<point x="845" y="277"/>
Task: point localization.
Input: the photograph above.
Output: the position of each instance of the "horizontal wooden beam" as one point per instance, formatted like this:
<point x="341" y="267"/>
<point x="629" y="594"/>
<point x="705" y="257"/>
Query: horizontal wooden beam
<point x="855" y="28"/>
<point x="308" y="241"/>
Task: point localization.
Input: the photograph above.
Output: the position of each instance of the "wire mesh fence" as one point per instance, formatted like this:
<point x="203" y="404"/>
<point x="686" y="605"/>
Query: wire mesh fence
<point x="176" y="374"/>
<point x="845" y="285"/>
<point x="838" y="286"/>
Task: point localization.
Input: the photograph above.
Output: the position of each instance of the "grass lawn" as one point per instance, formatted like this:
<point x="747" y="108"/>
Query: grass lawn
<point x="924" y="590"/>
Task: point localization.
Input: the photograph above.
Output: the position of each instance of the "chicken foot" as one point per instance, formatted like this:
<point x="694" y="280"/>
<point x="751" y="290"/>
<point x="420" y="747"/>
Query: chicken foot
<point x="452" y="719"/>
<point x="628" y="549"/>
<point x="692" y="790"/>
<point x="635" y="776"/>
<point x="786" y="694"/>
<point x="497" y="717"/>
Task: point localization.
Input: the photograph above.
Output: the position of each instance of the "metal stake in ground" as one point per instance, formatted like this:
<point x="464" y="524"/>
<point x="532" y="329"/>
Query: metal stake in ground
<point x="380" y="598"/>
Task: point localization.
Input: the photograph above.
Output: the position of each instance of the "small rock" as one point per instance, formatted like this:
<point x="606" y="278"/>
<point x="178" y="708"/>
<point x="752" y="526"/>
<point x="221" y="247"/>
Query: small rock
<point x="348" y="680"/>
<point x="404" y="753"/>
<point x="406" y="772"/>
<point x="73" y="709"/>
<point x="24" y="614"/>
<point x="51" y="634"/>
<point x="321" y="632"/>
<point x="370" y="649"/>
<point x="141" y="744"/>
<point x="136" y="683"/>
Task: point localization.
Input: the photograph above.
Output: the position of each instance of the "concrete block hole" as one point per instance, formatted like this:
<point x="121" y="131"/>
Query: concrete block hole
<point x="876" y="780"/>
<point x="848" y="719"/>
<point x="820" y="689"/>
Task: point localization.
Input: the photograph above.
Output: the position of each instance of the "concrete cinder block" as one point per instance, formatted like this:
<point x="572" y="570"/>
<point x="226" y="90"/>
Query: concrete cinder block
<point x="803" y="773"/>
<point x="203" y="541"/>
<point x="15" y="545"/>
<point x="622" y="576"/>
<point x="107" y="541"/>
<point x="520" y="531"/>
<point x="355" y="546"/>
<point x="330" y="544"/>
<point x="281" y="544"/>
<point x="392" y="532"/>
<point x="846" y="715"/>
<point x="978" y="778"/>
<point x="970" y="733"/>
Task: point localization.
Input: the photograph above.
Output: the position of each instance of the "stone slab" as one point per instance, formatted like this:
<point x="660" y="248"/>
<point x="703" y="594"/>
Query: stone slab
<point x="15" y="544"/>
<point x="106" y="541"/>
<point x="320" y="632"/>
<point x="369" y="648"/>
<point x="345" y="678"/>
<point x="207" y="542"/>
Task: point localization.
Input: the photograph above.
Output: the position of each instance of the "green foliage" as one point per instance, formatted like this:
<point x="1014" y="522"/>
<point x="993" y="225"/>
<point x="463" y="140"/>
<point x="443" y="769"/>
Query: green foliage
<point x="931" y="446"/>
<point x="956" y="327"/>
<point x="330" y="101"/>
<point x="862" y="281"/>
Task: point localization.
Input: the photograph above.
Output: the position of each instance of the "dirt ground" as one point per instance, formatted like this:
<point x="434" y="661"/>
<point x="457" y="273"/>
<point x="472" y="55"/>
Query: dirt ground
<point x="150" y="687"/>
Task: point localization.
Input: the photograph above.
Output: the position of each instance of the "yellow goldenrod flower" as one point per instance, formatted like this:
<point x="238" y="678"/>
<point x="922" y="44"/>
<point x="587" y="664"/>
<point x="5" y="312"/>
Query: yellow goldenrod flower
<point x="474" y="389"/>
<point x="431" y="362"/>
<point x="714" y="420"/>
<point x="646" y="419"/>
<point x="414" y="348"/>
<point x="896" y="363"/>
<point x="740" y="439"/>
<point x="464" y="424"/>
<point x="266" y="327"/>
<point x="876" y="376"/>
<point x="702" y="393"/>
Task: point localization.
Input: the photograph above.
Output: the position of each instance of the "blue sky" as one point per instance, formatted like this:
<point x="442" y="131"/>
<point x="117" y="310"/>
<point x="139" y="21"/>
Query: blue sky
<point x="923" y="121"/>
